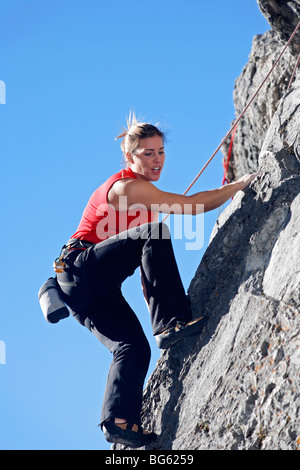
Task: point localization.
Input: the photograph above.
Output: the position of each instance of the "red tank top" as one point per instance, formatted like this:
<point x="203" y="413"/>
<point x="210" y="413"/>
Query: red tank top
<point x="100" y="220"/>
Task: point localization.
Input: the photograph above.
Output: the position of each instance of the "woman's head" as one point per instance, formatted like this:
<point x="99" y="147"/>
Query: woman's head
<point x="143" y="148"/>
<point x="134" y="133"/>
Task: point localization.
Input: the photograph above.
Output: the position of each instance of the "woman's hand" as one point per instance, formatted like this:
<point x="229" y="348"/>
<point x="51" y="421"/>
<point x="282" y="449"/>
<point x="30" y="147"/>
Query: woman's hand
<point x="245" y="180"/>
<point x="217" y="197"/>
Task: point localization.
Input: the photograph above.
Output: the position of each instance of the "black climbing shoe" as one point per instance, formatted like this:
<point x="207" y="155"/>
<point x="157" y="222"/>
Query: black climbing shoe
<point x="174" y="334"/>
<point x="127" y="433"/>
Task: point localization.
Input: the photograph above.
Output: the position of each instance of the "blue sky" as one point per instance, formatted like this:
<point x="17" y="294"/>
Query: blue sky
<point x="72" y="71"/>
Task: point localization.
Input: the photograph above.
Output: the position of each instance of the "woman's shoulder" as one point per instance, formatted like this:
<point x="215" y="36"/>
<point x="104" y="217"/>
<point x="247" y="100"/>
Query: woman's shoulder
<point x="121" y="186"/>
<point x="132" y="188"/>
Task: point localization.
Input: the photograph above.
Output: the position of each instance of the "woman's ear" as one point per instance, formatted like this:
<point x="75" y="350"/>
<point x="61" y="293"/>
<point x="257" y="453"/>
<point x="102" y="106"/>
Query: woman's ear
<point x="129" y="158"/>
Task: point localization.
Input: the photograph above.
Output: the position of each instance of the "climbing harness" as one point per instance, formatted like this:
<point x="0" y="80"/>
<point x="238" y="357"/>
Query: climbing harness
<point x="233" y="127"/>
<point x="73" y="244"/>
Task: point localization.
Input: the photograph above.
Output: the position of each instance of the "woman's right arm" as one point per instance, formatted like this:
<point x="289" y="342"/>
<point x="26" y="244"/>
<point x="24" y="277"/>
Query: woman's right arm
<point x="134" y="192"/>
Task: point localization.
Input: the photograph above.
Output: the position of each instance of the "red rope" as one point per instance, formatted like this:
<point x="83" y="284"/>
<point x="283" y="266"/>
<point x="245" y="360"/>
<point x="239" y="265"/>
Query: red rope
<point x="226" y="164"/>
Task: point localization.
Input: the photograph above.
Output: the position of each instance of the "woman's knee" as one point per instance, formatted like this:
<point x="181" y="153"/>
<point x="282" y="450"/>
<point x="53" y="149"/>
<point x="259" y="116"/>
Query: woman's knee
<point x="134" y="351"/>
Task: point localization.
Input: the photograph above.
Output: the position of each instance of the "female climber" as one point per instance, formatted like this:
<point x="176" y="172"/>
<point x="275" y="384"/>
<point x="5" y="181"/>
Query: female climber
<point x="118" y="232"/>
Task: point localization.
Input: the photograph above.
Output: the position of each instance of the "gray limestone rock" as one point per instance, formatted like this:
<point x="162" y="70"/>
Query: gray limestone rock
<point x="283" y="16"/>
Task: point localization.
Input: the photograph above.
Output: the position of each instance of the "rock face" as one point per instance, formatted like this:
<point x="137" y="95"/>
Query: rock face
<point x="237" y="386"/>
<point x="283" y="16"/>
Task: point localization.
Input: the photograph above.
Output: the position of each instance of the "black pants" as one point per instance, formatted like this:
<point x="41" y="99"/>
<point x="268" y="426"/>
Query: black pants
<point x="91" y="286"/>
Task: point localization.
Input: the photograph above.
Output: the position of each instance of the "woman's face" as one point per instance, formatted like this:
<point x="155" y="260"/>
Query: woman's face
<point x="148" y="159"/>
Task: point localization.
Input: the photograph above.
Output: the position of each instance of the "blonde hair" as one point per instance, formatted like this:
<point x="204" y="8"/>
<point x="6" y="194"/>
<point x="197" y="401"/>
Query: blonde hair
<point x="135" y="131"/>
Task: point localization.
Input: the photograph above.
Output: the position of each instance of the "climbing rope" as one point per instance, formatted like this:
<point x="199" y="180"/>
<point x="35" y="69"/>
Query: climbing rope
<point x="242" y="113"/>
